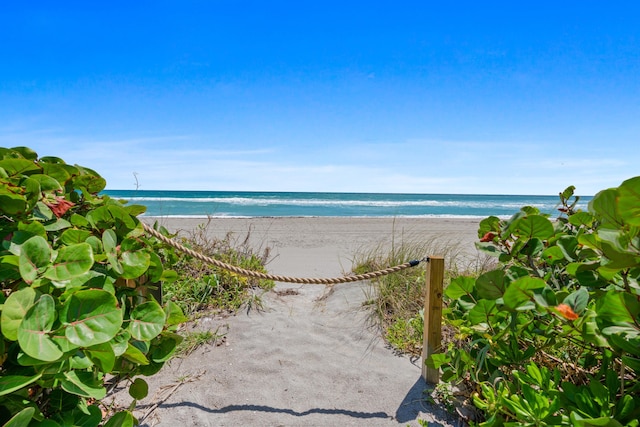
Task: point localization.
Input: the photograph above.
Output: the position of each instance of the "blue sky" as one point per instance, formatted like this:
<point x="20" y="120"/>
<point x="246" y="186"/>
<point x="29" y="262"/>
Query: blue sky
<point x="405" y="96"/>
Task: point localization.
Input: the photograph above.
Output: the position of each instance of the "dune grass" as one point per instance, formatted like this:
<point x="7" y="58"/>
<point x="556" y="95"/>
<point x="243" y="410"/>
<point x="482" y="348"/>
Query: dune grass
<point x="397" y="299"/>
<point x="201" y="286"/>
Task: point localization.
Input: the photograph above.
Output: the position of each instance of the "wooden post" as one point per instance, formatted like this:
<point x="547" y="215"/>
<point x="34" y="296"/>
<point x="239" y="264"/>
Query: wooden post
<point x="432" y="316"/>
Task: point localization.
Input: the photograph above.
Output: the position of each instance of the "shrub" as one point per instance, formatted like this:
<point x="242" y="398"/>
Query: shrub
<point x="552" y="336"/>
<point x="201" y="286"/>
<point x="75" y="311"/>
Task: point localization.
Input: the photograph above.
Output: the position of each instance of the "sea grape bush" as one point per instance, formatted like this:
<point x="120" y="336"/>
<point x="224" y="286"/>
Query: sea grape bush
<point x="552" y="336"/>
<point x="75" y="268"/>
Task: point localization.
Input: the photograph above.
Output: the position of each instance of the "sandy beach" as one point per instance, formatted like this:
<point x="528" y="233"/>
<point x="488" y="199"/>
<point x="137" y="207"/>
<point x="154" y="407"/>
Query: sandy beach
<point x="326" y="245"/>
<point x="311" y="357"/>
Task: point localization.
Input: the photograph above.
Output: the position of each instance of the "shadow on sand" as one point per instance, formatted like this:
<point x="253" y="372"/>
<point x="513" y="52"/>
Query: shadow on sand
<point x="416" y="402"/>
<point x="409" y="410"/>
<point x="271" y="409"/>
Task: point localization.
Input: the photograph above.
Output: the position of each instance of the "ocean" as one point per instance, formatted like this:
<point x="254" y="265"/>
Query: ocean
<point x="295" y="204"/>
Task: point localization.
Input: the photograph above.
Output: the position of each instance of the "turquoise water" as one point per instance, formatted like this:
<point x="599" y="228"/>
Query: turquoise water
<point x="266" y="204"/>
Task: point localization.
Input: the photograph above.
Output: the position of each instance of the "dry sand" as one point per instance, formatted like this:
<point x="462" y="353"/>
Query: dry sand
<point x="311" y="357"/>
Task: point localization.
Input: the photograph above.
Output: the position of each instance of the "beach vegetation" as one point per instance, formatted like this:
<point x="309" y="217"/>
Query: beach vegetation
<point x="551" y="336"/>
<point x="201" y="287"/>
<point x="548" y="333"/>
<point x="77" y="311"/>
<point x="397" y="299"/>
<point x="194" y="339"/>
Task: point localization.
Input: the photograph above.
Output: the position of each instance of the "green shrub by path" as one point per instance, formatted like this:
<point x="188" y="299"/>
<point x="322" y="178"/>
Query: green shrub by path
<point x="552" y="336"/>
<point x="200" y="286"/>
<point x="75" y="309"/>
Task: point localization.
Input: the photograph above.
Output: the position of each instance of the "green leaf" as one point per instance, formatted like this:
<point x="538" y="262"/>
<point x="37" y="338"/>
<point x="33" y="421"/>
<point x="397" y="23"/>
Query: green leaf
<point x="89" y="417"/>
<point x="28" y="230"/>
<point x="26" y="152"/>
<point x="632" y="362"/>
<point x="22" y="418"/>
<point x="102" y="355"/>
<point x="150" y="369"/>
<point x="139" y="389"/>
<point x="15" y="167"/>
<point x="164" y="347"/>
<point x="580" y="219"/>
<point x="169" y="276"/>
<point x="91" y="317"/>
<point x="591" y="332"/>
<point x="615" y="246"/>
<point x="59" y="224"/>
<point x="122" y="217"/>
<point x="91" y="279"/>
<point x="14" y="310"/>
<point x="134" y="355"/>
<point x="436" y="360"/>
<point x="58" y="170"/>
<point x="490" y="285"/>
<point x="533" y="247"/>
<point x="121" y="419"/>
<point x="11" y="203"/>
<point x="568" y="245"/>
<point x="110" y="243"/>
<point x="629" y="201"/>
<point x="174" y="314"/>
<point x="147" y="321"/>
<point x="154" y="273"/>
<point x="625" y="407"/>
<point x="460" y="286"/>
<point x="61" y="341"/>
<point x="90" y="181"/>
<point x="32" y="191"/>
<point x="11" y="383"/>
<point x="100" y="218"/>
<point x="96" y="245"/>
<point x="72" y="261"/>
<point x="568" y="192"/>
<point x="534" y="226"/>
<point x="605" y="204"/>
<point x="61" y="401"/>
<point x="83" y="384"/>
<point x="134" y="264"/>
<point x="80" y="361"/>
<point x="120" y="342"/>
<point x="577" y="300"/>
<point x="483" y="311"/>
<point x="35" y="257"/>
<point x="47" y="183"/>
<point x="618" y="308"/>
<point x="34" y="330"/>
<point x="578" y="421"/>
<point x="520" y="292"/>
<point x="553" y="254"/>
<point x="79" y="221"/>
<point x="626" y="338"/>
<point x="490" y="249"/>
<point x="135" y="210"/>
<point x="489" y="224"/>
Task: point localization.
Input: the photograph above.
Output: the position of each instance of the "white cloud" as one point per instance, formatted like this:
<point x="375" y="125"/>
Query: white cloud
<point x="189" y="162"/>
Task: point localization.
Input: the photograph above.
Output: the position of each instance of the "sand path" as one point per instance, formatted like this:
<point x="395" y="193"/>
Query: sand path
<point x="310" y="357"/>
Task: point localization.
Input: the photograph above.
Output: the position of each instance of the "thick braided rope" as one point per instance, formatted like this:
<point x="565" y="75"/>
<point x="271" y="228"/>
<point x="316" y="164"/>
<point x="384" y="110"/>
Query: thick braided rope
<point x="274" y="277"/>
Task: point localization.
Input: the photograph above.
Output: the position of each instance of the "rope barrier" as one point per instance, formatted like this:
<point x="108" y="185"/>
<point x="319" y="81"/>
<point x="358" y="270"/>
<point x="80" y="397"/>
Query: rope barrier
<point x="278" y="278"/>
